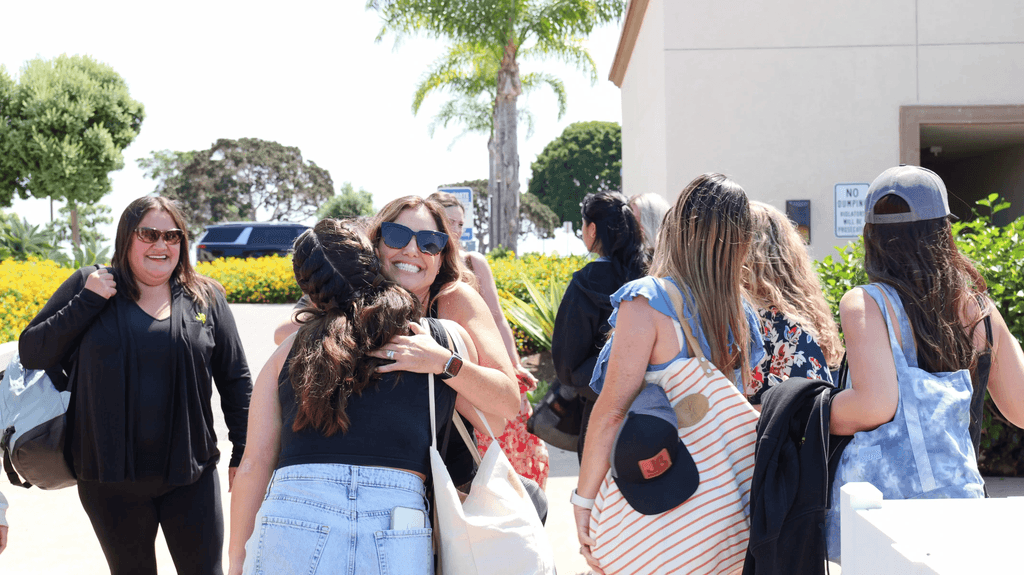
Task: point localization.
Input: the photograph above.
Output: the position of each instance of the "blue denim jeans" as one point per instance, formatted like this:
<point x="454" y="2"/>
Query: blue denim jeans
<point x="332" y="518"/>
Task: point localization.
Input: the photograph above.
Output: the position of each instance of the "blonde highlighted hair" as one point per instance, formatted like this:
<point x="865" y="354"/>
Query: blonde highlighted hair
<point x="779" y="274"/>
<point x="702" y="245"/>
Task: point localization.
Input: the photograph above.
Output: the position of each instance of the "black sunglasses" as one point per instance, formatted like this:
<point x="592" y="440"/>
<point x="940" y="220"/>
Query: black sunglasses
<point x="397" y="236"/>
<point x="151" y="235"/>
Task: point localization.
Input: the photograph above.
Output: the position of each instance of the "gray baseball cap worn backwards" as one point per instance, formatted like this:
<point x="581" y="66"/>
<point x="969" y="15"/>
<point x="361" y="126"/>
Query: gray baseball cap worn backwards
<point x="921" y="188"/>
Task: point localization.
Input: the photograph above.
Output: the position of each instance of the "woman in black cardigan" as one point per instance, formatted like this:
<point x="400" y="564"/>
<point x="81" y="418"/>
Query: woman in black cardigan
<point x="143" y="342"/>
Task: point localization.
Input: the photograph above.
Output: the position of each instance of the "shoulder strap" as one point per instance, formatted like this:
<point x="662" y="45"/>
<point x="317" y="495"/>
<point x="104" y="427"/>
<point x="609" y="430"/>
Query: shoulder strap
<point x="691" y="342"/>
<point x="460" y="347"/>
<point x="904" y="354"/>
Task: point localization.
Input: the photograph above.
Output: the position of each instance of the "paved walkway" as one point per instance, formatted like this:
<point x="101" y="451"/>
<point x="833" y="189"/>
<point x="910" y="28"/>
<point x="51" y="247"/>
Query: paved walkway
<point x="50" y="534"/>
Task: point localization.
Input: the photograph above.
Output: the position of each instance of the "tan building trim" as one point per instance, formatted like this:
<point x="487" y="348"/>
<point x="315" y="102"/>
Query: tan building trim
<point x="913" y="117"/>
<point x="627" y="40"/>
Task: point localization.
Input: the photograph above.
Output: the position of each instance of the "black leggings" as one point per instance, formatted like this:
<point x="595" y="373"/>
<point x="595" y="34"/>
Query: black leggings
<point x="125" y="517"/>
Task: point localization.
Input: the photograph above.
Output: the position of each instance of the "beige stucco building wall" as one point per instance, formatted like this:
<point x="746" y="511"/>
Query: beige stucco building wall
<point x="793" y="97"/>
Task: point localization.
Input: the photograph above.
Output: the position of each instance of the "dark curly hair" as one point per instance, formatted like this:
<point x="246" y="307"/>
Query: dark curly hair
<point x="355" y="310"/>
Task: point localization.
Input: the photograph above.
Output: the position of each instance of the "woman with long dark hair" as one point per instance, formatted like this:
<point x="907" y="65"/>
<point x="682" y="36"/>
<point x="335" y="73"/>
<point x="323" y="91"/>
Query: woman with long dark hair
<point x="923" y="344"/>
<point x="612" y="233"/>
<point x="340" y="437"/>
<point x="144" y="340"/>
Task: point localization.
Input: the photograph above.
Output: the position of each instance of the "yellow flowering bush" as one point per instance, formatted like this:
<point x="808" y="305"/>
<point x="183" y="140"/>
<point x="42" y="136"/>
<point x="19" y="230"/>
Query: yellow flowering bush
<point x="543" y="271"/>
<point x="254" y="280"/>
<point x="540" y="269"/>
<point x="25" y="288"/>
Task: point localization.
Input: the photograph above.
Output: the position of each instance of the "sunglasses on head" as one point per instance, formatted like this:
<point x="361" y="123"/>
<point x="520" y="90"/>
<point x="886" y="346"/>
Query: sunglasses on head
<point x="151" y="235"/>
<point x="397" y="236"/>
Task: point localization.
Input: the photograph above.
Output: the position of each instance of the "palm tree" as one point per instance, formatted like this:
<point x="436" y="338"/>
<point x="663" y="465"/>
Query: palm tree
<point x="488" y="37"/>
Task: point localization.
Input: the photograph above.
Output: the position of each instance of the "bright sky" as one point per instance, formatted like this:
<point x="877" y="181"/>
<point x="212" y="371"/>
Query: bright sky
<point x="305" y="74"/>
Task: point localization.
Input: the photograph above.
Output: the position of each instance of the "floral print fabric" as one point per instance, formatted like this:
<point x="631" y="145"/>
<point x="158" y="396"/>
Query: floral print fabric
<point x="526" y="451"/>
<point x="790" y="351"/>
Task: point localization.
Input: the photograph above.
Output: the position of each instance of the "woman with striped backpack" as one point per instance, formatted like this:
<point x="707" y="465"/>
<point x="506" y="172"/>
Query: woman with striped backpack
<point x="664" y="485"/>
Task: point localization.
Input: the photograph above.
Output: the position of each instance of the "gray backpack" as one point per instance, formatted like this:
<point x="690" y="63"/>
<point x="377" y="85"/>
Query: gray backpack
<point x="32" y="423"/>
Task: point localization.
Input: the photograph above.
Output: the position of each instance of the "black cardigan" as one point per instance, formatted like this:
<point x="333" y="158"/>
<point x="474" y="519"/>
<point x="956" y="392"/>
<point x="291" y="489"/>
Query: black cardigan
<point x="794" y="465"/>
<point x="88" y="337"/>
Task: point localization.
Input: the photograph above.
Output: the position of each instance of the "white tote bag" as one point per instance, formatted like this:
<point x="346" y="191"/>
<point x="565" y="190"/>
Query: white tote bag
<point x="496" y="531"/>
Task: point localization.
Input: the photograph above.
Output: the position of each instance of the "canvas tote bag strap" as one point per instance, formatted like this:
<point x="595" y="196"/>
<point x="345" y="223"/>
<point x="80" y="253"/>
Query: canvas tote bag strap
<point x="691" y="342"/>
<point x="430" y="396"/>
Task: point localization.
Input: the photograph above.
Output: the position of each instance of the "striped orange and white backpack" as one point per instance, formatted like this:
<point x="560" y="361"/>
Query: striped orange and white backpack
<point x="707" y="533"/>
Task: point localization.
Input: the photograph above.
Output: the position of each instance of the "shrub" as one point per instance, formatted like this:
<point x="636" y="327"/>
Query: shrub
<point x="543" y="271"/>
<point x="997" y="252"/>
<point x="254" y="280"/>
<point x="25" y="287"/>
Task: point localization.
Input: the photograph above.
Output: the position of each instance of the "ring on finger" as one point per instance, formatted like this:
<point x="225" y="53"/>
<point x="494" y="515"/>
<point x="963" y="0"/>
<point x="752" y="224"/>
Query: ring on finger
<point x="391" y="354"/>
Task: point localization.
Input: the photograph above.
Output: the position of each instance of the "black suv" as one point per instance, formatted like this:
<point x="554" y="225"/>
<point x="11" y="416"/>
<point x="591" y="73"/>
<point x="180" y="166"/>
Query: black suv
<point x="247" y="240"/>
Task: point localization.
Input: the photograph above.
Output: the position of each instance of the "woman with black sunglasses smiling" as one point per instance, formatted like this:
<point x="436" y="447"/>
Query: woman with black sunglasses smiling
<point x="147" y="338"/>
<point x="421" y="254"/>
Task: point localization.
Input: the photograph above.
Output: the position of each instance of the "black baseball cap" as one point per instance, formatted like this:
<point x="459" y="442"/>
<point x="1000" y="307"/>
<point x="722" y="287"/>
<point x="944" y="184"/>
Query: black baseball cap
<point x="650" y="464"/>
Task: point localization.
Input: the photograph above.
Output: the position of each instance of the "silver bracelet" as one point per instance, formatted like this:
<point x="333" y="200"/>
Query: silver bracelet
<point x="580" y="501"/>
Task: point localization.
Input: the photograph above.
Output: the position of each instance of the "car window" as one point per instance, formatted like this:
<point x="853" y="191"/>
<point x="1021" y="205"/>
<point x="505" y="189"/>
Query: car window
<point x="273" y="235"/>
<point x="222" y="235"/>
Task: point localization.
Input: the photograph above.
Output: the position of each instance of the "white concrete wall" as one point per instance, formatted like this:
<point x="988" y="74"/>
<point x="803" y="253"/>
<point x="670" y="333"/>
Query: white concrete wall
<point x="643" y="109"/>
<point x="792" y="97"/>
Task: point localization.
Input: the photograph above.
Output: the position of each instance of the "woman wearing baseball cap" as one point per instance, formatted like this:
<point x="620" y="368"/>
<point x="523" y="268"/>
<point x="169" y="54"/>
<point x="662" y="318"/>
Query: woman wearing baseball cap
<point x="923" y="342"/>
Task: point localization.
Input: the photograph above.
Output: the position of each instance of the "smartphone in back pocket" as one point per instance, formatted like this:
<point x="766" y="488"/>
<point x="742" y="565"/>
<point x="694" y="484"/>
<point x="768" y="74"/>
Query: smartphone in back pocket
<point x="403" y="518"/>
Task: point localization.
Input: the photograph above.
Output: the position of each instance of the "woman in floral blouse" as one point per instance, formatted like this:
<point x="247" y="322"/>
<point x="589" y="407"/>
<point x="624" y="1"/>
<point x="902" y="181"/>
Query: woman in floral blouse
<point x="800" y="334"/>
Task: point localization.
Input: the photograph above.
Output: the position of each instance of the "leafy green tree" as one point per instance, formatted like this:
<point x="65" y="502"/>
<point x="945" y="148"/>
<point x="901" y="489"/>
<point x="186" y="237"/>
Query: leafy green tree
<point x="349" y="203"/>
<point x="62" y="129"/>
<point x="236" y="179"/>
<point x="505" y="30"/>
<point x="540" y="220"/>
<point x="90" y="218"/>
<point x="467" y="73"/>
<point x="585" y="159"/>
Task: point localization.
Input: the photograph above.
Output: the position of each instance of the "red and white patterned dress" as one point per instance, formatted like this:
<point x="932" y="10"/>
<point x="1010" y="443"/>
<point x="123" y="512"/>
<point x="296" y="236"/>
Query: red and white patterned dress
<point x="526" y="452"/>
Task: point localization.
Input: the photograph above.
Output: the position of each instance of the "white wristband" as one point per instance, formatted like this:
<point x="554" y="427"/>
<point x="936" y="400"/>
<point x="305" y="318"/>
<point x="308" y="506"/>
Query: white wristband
<point x="580" y="501"/>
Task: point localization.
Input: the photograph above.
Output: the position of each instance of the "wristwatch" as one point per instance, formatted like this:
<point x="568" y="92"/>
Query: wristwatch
<point x="581" y="501"/>
<point x="451" y="369"/>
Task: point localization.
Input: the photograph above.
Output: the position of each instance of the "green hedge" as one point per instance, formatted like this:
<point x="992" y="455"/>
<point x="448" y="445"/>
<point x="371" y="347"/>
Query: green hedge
<point x="998" y="253"/>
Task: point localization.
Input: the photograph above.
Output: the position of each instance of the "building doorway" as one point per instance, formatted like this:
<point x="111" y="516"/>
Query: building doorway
<point x="976" y="150"/>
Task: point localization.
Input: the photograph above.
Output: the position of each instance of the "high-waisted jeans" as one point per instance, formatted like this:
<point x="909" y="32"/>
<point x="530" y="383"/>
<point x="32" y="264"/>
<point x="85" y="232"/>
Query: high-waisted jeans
<point x="332" y="518"/>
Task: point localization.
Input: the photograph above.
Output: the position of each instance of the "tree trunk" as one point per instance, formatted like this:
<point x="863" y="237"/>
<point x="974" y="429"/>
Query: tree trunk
<point x="75" y="236"/>
<point x="505" y="220"/>
<point x="492" y="183"/>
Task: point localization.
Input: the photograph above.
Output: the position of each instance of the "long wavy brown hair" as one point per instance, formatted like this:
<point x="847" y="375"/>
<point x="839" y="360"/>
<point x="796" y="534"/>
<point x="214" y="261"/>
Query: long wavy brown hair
<point x="702" y="246"/>
<point x="779" y="273"/>
<point x="935" y="282"/>
<point x="452" y="269"/>
<point x="199" y="288"/>
<point x="355" y="310"/>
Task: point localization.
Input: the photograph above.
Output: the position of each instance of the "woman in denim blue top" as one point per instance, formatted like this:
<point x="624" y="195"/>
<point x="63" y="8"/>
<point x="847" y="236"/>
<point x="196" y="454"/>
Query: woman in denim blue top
<point x="701" y="247"/>
<point x="927" y="309"/>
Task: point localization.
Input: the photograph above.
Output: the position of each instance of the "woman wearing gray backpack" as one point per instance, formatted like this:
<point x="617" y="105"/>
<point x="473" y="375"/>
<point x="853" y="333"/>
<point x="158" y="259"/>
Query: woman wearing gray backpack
<point x="145" y="341"/>
<point x="923" y="343"/>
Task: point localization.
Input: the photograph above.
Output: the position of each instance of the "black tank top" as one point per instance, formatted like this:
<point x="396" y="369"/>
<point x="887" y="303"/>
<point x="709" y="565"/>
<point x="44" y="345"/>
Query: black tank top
<point x="389" y="423"/>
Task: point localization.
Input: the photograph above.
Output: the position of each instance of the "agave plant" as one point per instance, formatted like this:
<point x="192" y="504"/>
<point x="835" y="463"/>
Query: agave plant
<point x="536" y="318"/>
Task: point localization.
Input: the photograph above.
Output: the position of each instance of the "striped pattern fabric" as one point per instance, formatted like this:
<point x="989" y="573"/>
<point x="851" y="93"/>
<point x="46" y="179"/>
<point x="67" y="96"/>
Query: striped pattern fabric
<point x="708" y="533"/>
